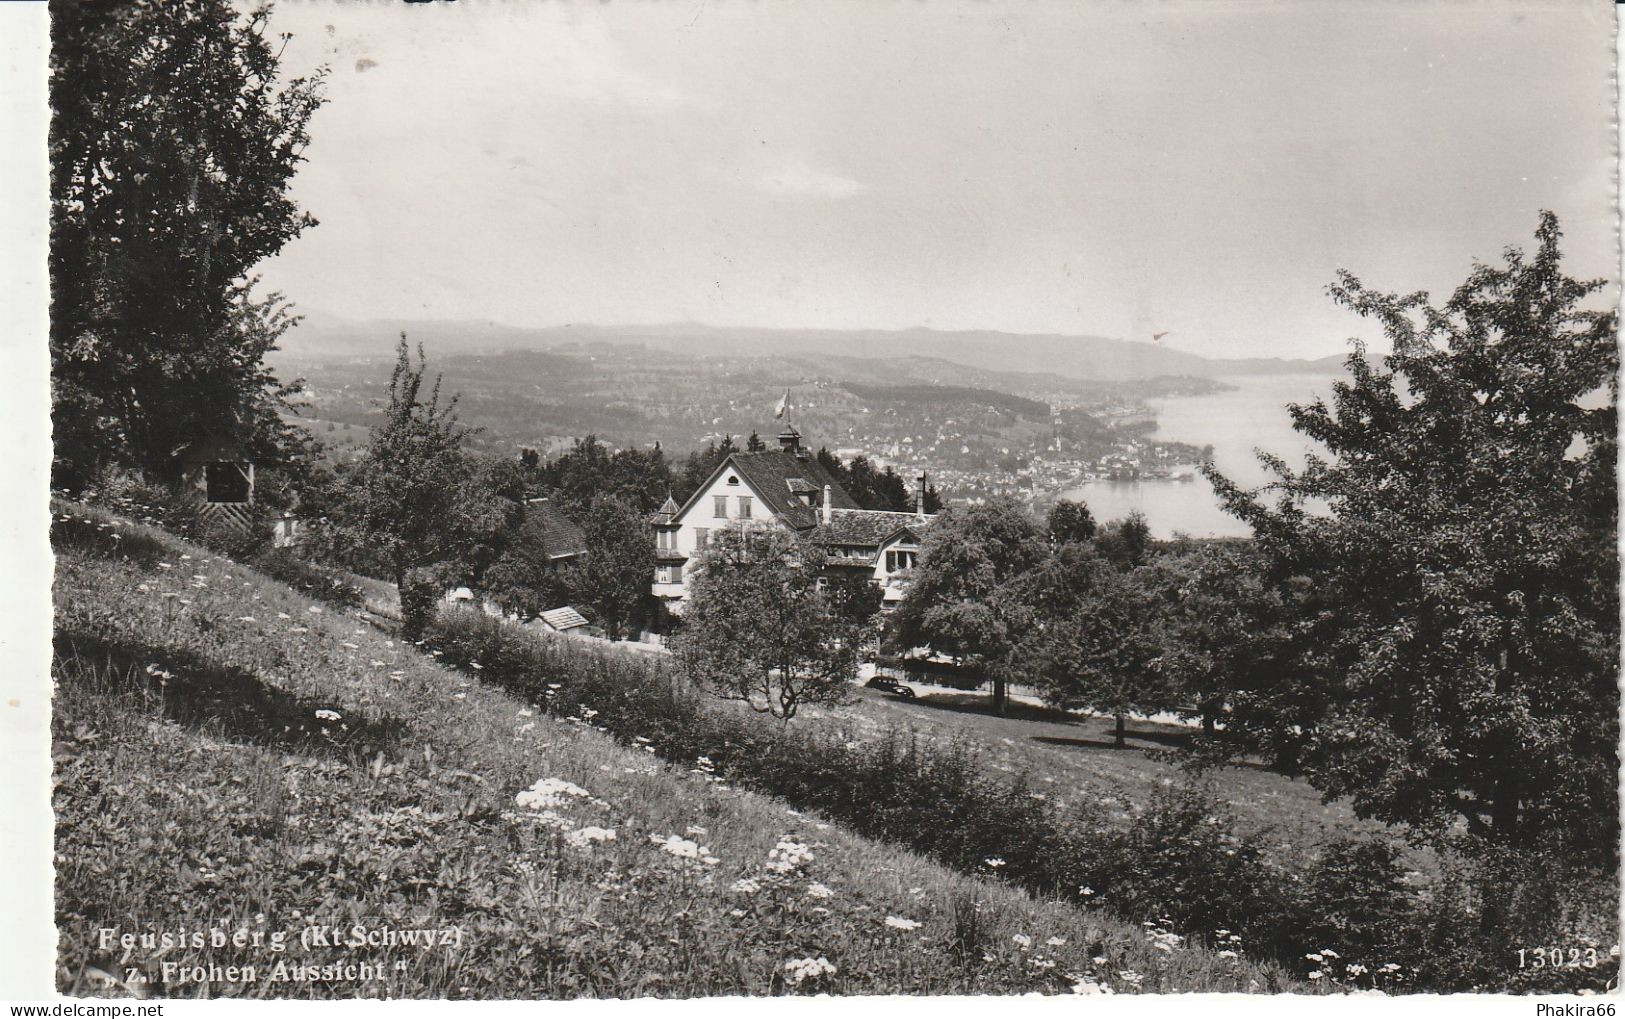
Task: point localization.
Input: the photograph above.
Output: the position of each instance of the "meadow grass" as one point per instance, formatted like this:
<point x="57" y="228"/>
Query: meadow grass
<point x="1343" y="908"/>
<point x="231" y="754"/>
<point x="1075" y="754"/>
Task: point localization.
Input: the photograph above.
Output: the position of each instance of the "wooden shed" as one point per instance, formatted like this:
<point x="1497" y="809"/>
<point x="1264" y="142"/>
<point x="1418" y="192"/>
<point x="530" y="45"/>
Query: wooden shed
<point x="217" y="472"/>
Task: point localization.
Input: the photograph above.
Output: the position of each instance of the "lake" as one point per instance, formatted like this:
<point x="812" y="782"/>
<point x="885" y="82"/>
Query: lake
<point x="1236" y="422"/>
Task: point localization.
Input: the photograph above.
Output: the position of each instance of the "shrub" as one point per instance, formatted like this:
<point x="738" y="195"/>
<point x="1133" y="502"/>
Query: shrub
<point x="1180" y="860"/>
<point x="308" y="578"/>
<point x="419" y="593"/>
<point x="1496" y="916"/>
<point x="1178" y="863"/>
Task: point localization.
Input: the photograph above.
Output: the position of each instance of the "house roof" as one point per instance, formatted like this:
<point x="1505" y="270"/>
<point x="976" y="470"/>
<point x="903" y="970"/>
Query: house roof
<point x="777" y="478"/>
<point x="561" y="536"/>
<point x="666" y="512"/>
<point x="565" y="618"/>
<point x="211" y="447"/>
<point x="871" y="528"/>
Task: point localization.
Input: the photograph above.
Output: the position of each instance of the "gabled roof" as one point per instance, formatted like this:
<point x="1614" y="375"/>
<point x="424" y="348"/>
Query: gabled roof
<point x="565" y="618"/>
<point x="776" y="478"/>
<point x="561" y="536"/>
<point x="871" y="528"/>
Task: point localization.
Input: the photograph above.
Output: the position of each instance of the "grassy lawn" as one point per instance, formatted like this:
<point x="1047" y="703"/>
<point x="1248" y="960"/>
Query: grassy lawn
<point x="230" y="754"/>
<point x="1076" y="754"/>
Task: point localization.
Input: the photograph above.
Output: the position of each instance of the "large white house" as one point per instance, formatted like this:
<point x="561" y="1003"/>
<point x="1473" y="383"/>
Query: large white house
<point x="787" y="487"/>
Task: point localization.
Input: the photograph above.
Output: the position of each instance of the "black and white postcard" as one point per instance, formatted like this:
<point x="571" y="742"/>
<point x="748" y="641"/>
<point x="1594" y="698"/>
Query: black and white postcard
<point x="702" y="500"/>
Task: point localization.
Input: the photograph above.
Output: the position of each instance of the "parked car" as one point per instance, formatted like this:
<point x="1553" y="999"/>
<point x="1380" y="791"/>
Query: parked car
<point x="891" y="686"/>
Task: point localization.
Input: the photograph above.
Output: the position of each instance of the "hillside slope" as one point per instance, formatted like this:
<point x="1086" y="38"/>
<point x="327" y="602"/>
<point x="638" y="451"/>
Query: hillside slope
<point x="233" y="756"/>
<point x="1078" y="357"/>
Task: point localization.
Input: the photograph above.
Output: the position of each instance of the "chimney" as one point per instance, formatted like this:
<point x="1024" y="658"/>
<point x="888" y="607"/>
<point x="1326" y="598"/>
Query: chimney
<point x="919" y="496"/>
<point x="823" y="513"/>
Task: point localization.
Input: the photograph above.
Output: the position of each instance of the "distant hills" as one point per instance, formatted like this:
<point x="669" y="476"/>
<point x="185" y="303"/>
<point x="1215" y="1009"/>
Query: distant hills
<point x="1087" y="358"/>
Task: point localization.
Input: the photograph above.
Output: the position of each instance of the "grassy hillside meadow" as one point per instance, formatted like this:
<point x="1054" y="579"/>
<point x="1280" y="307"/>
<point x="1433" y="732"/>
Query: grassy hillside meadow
<point x="1075" y="757"/>
<point x="230" y="754"/>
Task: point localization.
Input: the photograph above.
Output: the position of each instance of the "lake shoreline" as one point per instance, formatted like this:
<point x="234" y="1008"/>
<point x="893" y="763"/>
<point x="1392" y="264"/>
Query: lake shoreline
<point x="1237" y="422"/>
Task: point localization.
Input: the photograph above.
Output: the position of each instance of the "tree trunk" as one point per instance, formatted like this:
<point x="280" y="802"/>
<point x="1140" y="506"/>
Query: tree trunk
<point x="998" y="694"/>
<point x="1207" y="724"/>
<point x="1118" y="732"/>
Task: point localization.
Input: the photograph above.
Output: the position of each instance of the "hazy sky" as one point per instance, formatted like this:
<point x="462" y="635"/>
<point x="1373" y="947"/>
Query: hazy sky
<point x="1109" y="168"/>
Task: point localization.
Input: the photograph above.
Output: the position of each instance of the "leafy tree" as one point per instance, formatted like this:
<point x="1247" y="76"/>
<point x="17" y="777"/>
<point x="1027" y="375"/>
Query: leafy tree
<point x="589" y="472"/>
<point x="755" y="444"/>
<point x="1215" y="613"/>
<point x="416" y="502"/>
<point x="620" y="563"/>
<point x="1096" y="638"/>
<point x="875" y="490"/>
<point x="960" y="601"/>
<point x="524" y="580"/>
<point x="757" y="629"/>
<point x="1459" y="658"/>
<point x="1126" y="543"/>
<point x="854" y="596"/>
<point x="172" y="147"/>
<point x="1070" y="521"/>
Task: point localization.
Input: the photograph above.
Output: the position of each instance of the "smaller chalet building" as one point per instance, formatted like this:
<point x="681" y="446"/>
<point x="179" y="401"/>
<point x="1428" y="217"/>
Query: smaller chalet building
<point x="789" y="488"/>
<point x="562" y="538"/>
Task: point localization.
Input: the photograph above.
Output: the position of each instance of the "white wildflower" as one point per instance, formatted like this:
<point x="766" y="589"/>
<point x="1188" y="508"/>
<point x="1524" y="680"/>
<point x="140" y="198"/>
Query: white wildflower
<point x="1082" y="984"/>
<point x="787" y="856"/>
<point x="901" y="923"/>
<point x="549" y="792"/>
<point x="582" y="838"/>
<point x="797" y="970"/>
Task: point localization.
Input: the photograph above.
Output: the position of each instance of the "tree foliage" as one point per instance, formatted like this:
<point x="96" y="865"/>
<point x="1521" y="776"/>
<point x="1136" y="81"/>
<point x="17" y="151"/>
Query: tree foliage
<point x="876" y="489"/>
<point x="614" y="579"/>
<point x="1213" y="608"/>
<point x="1456" y="643"/>
<point x="173" y="143"/>
<point x="758" y="629"/>
<point x="589" y="472"/>
<point x="417" y="502"/>
<point x="1126" y="543"/>
<point x="1093" y="636"/>
<point x="1069" y="521"/>
<point x="960" y="600"/>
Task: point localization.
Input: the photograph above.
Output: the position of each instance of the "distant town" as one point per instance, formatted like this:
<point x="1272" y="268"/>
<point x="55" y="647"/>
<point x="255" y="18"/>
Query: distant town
<point x="976" y="433"/>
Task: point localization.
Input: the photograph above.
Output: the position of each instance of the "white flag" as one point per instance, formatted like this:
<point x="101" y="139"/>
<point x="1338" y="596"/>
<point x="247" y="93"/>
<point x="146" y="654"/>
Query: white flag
<point x="784" y="405"/>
